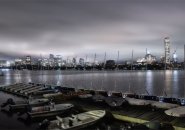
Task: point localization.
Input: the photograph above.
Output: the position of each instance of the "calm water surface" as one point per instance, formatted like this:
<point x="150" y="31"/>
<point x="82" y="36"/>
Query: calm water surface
<point x="155" y="82"/>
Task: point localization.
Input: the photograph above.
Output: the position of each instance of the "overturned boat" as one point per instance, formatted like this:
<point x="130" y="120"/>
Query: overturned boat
<point x="138" y="102"/>
<point x="163" y="105"/>
<point x="32" y="102"/>
<point x="176" y="112"/>
<point x="78" y="121"/>
<point x="49" y="110"/>
<point x="51" y="95"/>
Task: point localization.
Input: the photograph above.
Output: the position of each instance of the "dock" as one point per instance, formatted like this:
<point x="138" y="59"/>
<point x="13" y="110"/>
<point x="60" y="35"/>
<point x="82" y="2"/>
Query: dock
<point x="128" y="113"/>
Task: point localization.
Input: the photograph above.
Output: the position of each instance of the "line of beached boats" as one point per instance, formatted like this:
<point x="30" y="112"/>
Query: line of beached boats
<point x="77" y="121"/>
<point x="41" y="103"/>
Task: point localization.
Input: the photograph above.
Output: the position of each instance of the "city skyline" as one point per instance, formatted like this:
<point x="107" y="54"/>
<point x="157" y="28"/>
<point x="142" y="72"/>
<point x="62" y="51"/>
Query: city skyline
<point x="71" y="28"/>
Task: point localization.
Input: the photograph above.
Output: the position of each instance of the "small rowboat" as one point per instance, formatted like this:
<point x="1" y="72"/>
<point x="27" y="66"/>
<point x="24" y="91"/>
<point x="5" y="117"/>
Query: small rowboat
<point x="176" y="112"/>
<point x="33" y="102"/>
<point x="49" y="110"/>
<point x="163" y="105"/>
<point x="78" y="121"/>
<point x="137" y="102"/>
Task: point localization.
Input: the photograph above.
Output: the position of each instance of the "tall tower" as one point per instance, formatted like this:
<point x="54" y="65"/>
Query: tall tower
<point x="167" y="50"/>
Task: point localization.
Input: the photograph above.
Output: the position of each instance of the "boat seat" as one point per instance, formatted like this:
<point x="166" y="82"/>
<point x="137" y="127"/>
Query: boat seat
<point x="62" y="123"/>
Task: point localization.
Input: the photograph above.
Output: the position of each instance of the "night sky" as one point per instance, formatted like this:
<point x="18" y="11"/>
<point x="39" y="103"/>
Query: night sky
<point x="84" y="27"/>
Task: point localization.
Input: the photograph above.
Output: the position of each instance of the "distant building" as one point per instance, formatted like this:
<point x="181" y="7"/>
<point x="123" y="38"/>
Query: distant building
<point x="4" y="63"/>
<point x="45" y="62"/>
<point x="110" y="64"/>
<point x="58" y="60"/>
<point x="162" y="59"/>
<point x="167" y="50"/>
<point x="64" y="62"/>
<point x="28" y="60"/>
<point x="88" y="63"/>
<point x="18" y="61"/>
<point x="148" y="59"/>
<point x="39" y="62"/>
<point x="51" y="56"/>
<point x="51" y="60"/>
<point x="74" y="61"/>
<point x="81" y="61"/>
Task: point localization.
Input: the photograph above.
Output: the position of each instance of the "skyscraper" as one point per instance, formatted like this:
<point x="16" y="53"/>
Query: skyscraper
<point x="81" y="61"/>
<point x="51" y="56"/>
<point x="167" y="50"/>
<point x="28" y="60"/>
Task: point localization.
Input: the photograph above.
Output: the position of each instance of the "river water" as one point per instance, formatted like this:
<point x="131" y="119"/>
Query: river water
<point x="171" y="82"/>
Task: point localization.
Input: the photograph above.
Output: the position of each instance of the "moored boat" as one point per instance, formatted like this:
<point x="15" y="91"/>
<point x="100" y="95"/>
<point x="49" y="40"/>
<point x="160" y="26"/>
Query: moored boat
<point x="22" y="88"/>
<point x="102" y="92"/>
<point x="51" y="95"/>
<point x="30" y="89"/>
<point x="167" y="99"/>
<point x="34" y="90"/>
<point x="147" y="97"/>
<point x="62" y="96"/>
<point x="98" y="98"/>
<point x="41" y="92"/>
<point x="49" y="110"/>
<point x="114" y="101"/>
<point x="32" y="102"/>
<point x="181" y="101"/>
<point x="18" y="87"/>
<point x="85" y="96"/>
<point x="14" y="86"/>
<point x="78" y="121"/>
<point x="128" y="94"/>
<point x="116" y="94"/>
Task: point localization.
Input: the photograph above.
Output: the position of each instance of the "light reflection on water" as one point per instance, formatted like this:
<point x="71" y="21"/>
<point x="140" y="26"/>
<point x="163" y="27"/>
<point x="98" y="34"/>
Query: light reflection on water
<point x="155" y="82"/>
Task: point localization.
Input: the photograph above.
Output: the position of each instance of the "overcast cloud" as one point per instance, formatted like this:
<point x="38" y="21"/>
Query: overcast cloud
<point x="85" y="27"/>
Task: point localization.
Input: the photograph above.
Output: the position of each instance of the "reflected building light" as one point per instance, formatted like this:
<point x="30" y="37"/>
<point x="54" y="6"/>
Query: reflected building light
<point x="175" y="74"/>
<point x="149" y="81"/>
<point x="168" y="79"/>
<point x="29" y="80"/>
<point x="174" y="57"/>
